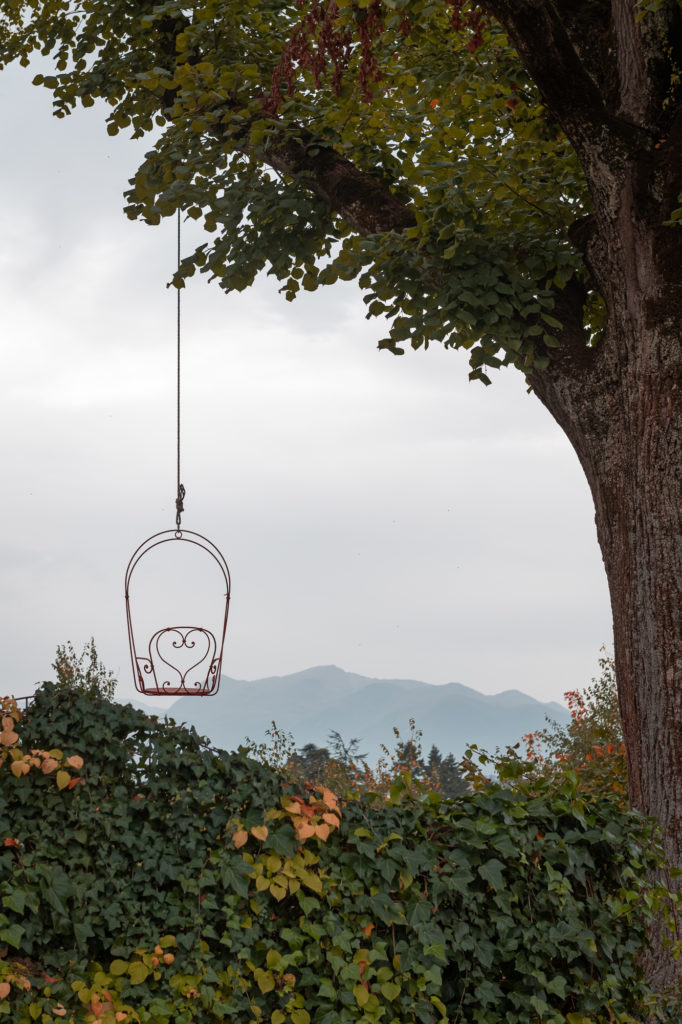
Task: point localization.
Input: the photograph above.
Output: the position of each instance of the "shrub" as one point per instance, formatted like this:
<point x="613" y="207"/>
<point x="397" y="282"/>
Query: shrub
<point x="147" y="877"/>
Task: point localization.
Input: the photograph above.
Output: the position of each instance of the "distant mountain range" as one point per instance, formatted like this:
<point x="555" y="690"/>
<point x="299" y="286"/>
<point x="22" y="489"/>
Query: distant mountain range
<point x="309" y="704"/>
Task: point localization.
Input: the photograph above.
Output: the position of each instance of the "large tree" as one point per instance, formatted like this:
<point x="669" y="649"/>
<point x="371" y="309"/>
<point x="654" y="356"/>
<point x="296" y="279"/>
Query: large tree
<point x="502" y="176"/>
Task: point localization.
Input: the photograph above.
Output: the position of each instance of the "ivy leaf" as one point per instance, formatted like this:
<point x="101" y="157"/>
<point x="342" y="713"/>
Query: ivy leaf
<point x="13" y="935"/>
<point x="491" y="872"/>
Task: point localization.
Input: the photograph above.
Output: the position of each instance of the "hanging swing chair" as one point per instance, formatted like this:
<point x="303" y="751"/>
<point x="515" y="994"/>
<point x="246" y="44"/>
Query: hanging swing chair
<point x="178" y="660"/>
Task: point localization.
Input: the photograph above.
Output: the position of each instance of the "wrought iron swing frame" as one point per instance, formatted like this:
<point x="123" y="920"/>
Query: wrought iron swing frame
<point x="148" y="668"/>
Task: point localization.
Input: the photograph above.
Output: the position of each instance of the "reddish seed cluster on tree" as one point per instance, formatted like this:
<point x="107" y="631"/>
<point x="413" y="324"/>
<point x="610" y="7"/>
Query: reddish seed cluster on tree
<point x="318" y="42"/>
<point x="315" y="41"/>
<point x="471" y="21"/>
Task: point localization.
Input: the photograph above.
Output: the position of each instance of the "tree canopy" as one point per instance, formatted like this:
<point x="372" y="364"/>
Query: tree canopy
<point x="456" y="208"/>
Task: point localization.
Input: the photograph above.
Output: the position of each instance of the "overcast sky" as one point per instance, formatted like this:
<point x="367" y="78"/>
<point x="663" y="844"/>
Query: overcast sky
<point x="378" y="513"/>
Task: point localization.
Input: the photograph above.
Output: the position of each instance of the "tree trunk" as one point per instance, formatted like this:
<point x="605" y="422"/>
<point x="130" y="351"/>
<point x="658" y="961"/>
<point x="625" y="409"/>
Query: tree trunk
<point x="620" y="404"/>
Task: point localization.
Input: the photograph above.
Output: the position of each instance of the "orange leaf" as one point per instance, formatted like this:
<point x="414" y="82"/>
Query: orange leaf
<point x="75" y="781"/>
<point x="260" y="832"/>
<point x="329" y="799"/>
<point x="19" y="768"/>
<point x="49" y="765"/>
<point x="433" y="103"/>
<point x="120" y="1015"/>
<point x="75" y="761"/>
<point x="304" y="830"/>
<point x="240" y="837"/>
<point x="168" y="958"/>
<point x="96" y="1007"/>
<point x="331" y="819"/>
<point x="59" y="1010"/>
<point x="11" y="842"/>
<point x="368" y="929"/>
<point x="4" y="989"/>
<point x="322" y="832"/>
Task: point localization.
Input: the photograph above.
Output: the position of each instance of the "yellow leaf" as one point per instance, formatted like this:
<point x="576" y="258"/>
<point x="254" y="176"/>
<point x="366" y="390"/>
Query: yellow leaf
<point x="361" y="994"/>
<point x="260" y="832"/>
<point x="138" y="973"/>
<point x="19" y="768"/>
<point x="240" y="837"/>
<point x="262" y="883"/>
<point x="277" y="1017"/>
<point x="277" y="891"/>
<point x="272" y="958"/>
<point x="75" y="761"/>
<point x="63" y="779"/>
<point x="313" y="881"/>
<point x="264" y="980"/>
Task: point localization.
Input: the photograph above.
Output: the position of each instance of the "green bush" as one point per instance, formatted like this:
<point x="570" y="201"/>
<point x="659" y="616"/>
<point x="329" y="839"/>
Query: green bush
<point x="147" y="877"/>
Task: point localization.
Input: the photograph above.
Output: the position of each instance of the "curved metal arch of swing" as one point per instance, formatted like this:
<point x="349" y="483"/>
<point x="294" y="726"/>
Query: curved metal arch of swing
<point x="154" y="672"/>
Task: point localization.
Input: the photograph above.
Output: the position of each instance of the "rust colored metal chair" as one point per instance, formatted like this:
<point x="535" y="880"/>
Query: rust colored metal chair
<point x="177" y="660"/>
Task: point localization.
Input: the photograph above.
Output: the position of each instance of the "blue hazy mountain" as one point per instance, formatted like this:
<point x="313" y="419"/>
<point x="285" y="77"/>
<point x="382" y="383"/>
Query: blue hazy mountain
<point x="309" y="704"/>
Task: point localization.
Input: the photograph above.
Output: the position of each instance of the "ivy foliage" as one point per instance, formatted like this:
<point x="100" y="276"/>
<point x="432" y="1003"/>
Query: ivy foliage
<point x="454" y="129"/>
<point x="158" y="880"/>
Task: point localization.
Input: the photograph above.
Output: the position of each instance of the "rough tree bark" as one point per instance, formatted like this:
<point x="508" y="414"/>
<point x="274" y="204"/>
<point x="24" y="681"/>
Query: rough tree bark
<point x="620" y="403"/>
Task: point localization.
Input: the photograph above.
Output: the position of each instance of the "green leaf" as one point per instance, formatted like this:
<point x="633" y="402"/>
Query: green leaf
<point x="491" y="872"/>
<point x="12" y="935"/>
<point x="390" y="990"/>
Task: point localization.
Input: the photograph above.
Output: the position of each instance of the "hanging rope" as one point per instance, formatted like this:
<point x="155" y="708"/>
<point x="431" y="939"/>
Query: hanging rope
<point x="179" y="501"/>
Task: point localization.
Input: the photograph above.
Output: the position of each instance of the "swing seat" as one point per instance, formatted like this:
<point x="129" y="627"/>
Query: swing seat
<point x="179" y="661"/>
<point x="182" y="662"/>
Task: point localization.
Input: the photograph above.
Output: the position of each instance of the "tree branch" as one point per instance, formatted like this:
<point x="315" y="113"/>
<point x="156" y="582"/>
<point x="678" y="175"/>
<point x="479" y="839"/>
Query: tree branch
<point x="542" y="40"/>
<point x="364" y="203"/>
